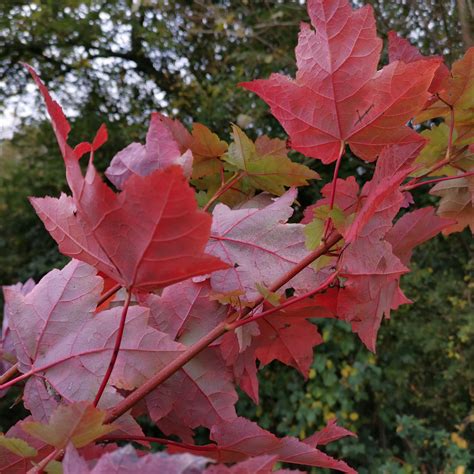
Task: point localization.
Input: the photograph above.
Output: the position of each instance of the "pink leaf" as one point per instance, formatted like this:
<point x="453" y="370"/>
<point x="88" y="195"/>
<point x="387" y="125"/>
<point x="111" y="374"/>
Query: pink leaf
<point x="209" y="396"/>
<point x="260" y="245"/>
<point x="127" y="460"/>
<point x="72" y="346"/>
<point x="161" y="150"/>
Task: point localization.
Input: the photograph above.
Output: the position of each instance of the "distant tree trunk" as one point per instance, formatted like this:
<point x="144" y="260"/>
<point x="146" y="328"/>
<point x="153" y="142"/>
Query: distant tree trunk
<point x="466" y="18"/>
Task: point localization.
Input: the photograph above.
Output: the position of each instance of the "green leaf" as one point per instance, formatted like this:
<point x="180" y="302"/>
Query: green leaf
<point x="54" y="467"/>
<point x="266" y="163"/>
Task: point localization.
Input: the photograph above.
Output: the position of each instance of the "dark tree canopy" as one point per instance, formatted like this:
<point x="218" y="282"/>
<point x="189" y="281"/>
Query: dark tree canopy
<point x="183" y="56"/>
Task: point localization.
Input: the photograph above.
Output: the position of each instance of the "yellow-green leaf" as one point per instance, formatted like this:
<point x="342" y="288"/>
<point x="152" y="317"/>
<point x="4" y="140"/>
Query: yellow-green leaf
<point x="269" y="296"/>
<point x="18" y="446"/>
<point x="436" y="149"/>
<point x="79" y="423"/>
<point x="54" y="467"/>
<point x="314" y="233"/>
<point x="267" y="166"/>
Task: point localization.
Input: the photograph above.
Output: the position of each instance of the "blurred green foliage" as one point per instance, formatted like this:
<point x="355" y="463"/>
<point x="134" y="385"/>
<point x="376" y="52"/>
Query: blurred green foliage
<point x="412" y="404"/>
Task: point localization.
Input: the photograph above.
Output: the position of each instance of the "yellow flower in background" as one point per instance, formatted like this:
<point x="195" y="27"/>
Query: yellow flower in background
<point x="329" y="416"/>
<point x="460" y="470"/>
<point x="354" y="416"/>
<point x="458" y="441"/>
<point x="346" y="371"/>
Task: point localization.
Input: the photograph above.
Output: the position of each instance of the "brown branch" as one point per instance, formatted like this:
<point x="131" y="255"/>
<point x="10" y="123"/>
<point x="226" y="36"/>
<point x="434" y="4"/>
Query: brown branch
<point x="7" y="375"/>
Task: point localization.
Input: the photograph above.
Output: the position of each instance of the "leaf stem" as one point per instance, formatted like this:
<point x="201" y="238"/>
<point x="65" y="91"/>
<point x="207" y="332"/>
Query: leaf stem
<point x="118" y="342"/>
<point x="224" y="187"/>
<point x="436" y="180"/>
<point x="451" y="127"/>
<point x="8" y="374"/>
<point x="141" y="392"/>
<point x="333" y="189"/>
<point x="437" y="166"/>
<point x="447" y="158"/>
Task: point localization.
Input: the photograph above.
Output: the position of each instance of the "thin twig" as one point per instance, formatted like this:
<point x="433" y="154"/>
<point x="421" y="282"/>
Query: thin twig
<point x="6" y="376"/>
<point x="286" y="303"/>
<point x="108" y="294"/>
<point x="53" y="456"/>
<point x="118" y="342"/>
<point x="436" y="180"/>
<point x="224" y="187"/>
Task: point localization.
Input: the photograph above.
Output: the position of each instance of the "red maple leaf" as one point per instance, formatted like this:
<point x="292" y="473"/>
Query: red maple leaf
<point x="338" y="95"/>
<point x="148" y="236"/>
<point x="399" y="49"/>
<point x="289" y="340"/>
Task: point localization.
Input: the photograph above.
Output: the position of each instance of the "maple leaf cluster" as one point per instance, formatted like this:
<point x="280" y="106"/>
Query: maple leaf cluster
<point x="186" y="276"/>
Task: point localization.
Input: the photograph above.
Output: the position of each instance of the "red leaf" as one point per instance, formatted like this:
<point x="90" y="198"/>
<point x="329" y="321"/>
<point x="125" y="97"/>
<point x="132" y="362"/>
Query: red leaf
<point x="383" y="198"/>
<point x="338" y="95"/>
<point x="368" y="294"/>
<point x="61" y="129"/>
<point x="242" y="439"/>
<point x="259" y="465"/>
<point x="289" y="340"/>
<point x="242" y="360"/>
<point x="413" y="229"/>
<point x="149" y="236"/>
<point x="85" y="147"/>
<point x="399" y="49"/>
<point x="331" y="432"/>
